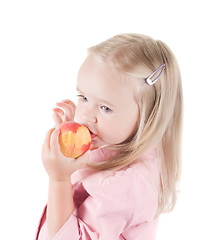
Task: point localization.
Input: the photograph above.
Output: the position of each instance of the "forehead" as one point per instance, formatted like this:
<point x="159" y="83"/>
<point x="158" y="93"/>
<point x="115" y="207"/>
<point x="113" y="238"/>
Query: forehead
<point x="99" y="80"/>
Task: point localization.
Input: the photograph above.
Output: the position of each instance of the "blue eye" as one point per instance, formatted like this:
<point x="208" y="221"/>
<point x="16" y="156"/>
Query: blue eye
<point x="106" y="109"/>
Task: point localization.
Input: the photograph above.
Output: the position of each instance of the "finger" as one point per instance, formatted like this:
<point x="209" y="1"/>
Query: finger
<point x="54" y="143"/>
<point x="83" y="159"/>
<point x="69" y="111"/>
<point x="59" y="111"/>
<point x="71" y="103"/>
<point x="46" y="144"/>
<point x="80" y="162"/>
<point x="57" y="118"/>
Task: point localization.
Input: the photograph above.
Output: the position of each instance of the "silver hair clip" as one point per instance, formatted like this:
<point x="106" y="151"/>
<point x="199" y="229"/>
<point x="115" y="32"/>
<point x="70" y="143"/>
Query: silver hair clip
<point x="149" y="80"/>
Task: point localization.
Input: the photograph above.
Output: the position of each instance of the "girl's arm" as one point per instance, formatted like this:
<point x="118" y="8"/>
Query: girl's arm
<point x="59" y="168"/>
<point x="60" y="198"/>
<point x="60" y="205"/>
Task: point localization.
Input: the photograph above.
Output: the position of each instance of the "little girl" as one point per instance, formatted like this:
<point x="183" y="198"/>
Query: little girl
<point x="130" y="98"/>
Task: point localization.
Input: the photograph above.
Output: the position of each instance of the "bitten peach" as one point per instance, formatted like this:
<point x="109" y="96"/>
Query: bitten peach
<point x="74" y="139"/>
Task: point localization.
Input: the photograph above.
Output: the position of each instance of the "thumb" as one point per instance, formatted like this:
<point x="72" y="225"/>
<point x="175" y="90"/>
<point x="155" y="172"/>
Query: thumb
<point x="54" y="143"/>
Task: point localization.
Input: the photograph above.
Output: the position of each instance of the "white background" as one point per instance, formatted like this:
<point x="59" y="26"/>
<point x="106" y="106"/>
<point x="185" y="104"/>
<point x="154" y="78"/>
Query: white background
<point x="43" y="43"/>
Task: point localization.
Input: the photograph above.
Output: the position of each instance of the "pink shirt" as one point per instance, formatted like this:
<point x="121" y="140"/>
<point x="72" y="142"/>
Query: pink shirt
<point x="116" y="206"/>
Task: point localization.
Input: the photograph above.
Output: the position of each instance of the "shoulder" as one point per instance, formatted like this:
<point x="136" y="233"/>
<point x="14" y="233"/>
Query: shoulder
<point x="130" y="193"/>
<point x="133" y="184"/>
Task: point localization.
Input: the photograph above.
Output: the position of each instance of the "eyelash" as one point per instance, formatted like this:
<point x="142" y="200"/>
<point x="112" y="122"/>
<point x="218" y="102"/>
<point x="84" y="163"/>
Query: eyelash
<point x="106" y="109"/>
<point x="103" y="107"/>
<point x="83" y="98"/>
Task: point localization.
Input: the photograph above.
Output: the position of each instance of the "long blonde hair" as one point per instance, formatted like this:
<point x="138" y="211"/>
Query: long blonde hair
<point x="160" y="106"/>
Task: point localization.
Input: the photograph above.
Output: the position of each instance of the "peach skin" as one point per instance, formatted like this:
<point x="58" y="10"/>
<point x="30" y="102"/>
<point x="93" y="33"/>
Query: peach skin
<point x="74" y="139"/>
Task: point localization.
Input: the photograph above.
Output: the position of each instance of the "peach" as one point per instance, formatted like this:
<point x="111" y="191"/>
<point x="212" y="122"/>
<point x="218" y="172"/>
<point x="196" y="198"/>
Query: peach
<point x="74" y="139"/>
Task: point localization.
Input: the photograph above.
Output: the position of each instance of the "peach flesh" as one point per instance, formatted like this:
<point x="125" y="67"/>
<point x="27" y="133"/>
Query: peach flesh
<point x="74" y="139"/>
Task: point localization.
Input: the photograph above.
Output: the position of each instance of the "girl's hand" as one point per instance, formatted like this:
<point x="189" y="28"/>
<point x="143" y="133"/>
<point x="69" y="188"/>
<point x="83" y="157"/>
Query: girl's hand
<point x="64" y="112"/>
<point x="59" y="167"/>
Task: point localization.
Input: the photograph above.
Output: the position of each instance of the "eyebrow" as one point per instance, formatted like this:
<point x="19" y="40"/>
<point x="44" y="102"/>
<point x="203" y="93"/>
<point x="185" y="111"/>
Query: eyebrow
<point x="99" y="99"/>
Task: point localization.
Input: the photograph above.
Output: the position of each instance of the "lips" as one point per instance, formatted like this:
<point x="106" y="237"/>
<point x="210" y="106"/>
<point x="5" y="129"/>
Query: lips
<point x="93" y="135"/>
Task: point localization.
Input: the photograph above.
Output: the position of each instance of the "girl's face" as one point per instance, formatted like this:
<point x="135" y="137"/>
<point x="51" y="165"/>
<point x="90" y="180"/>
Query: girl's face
<point x="105" y="105"/>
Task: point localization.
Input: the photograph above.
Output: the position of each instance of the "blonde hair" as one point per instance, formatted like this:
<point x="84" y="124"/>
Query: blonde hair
<point x="160" y="107"/>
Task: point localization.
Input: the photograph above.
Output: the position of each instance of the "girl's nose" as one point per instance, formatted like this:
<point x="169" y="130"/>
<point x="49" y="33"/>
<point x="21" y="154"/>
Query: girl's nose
<point x="88" y="116"/>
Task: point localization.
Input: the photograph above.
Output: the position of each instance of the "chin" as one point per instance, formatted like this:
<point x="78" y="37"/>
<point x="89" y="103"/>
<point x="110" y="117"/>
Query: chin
<point x="97" y="143"/>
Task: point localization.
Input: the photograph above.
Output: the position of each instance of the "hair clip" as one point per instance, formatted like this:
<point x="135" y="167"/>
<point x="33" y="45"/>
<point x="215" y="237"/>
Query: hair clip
<point x="149" y="81"/>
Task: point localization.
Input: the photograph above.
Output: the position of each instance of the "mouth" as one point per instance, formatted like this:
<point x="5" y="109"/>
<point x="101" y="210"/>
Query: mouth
<point x="93" y="135"/>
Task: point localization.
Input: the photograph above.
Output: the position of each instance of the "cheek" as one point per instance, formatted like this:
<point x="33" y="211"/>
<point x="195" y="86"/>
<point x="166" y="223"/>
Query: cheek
<point x="117" y="131"/>
<point x="107" y="130"/>
<point x="78" y="114"/>
<point x="125" y="131"/>
<point x="127" y="126"/>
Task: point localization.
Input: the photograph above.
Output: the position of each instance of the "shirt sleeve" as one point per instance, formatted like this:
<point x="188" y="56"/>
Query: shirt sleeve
<point x="117" y="204"/>
<point x="108" y="209"/>
<point x="103" y="214"/>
